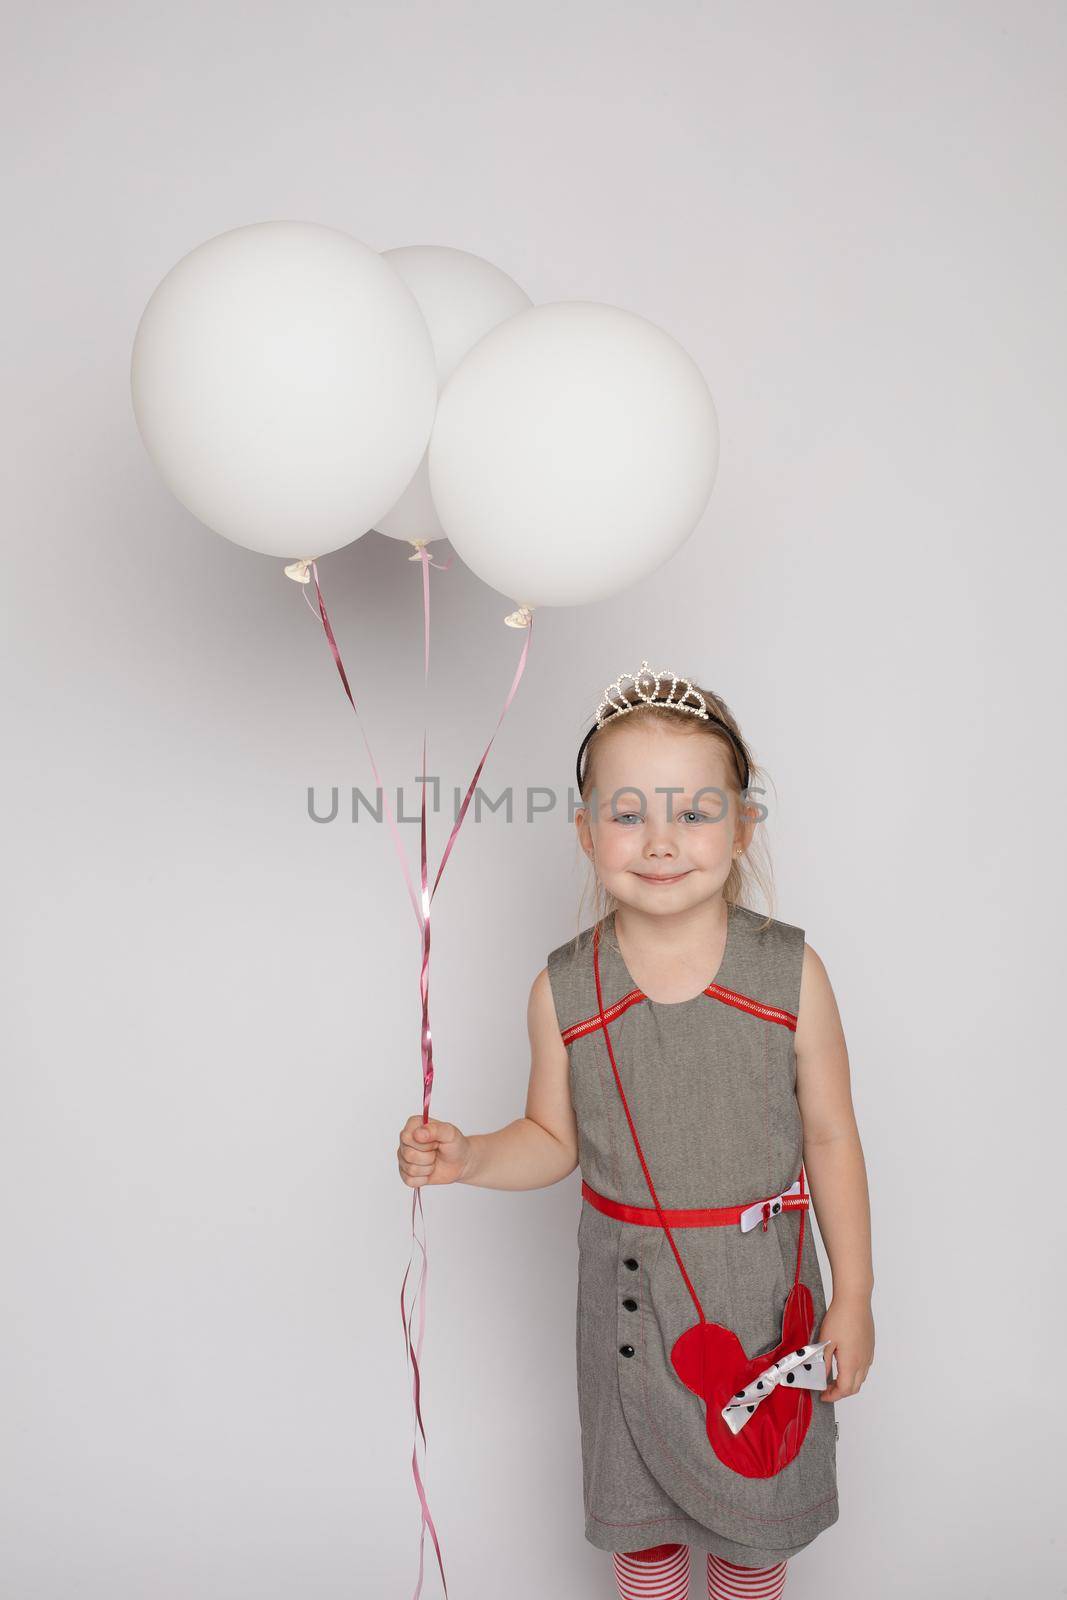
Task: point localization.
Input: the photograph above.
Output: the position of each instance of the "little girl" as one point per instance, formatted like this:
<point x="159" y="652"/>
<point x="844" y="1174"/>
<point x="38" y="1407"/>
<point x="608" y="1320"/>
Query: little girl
<point x="687" y="1053"/>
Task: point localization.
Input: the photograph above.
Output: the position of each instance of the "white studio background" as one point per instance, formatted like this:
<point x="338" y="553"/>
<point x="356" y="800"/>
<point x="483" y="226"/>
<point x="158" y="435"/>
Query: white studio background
<point x="853" y="218"/>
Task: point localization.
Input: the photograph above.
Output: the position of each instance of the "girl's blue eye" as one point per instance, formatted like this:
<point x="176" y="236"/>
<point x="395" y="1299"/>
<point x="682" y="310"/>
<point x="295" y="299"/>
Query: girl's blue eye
<point x="700" y="816"/>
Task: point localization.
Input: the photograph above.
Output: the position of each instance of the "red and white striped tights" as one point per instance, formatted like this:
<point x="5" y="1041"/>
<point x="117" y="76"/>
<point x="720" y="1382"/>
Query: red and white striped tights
<point x="662" y="1573"/>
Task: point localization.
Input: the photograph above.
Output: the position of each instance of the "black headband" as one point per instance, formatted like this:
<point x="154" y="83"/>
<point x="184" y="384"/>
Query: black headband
<point x="710" y="717"/>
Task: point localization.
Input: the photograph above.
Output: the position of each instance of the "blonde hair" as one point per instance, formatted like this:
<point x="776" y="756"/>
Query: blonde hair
<point x="748" y="872"/>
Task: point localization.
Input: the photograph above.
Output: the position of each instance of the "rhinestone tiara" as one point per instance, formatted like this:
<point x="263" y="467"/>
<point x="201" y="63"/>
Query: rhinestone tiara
<point x="646" y="685"/>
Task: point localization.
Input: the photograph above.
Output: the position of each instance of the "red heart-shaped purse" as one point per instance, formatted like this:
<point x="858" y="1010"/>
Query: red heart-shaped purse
<point x="711" y="1361"/>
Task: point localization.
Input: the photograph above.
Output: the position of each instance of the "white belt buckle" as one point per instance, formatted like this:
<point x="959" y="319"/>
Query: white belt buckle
<point x="752" y="1215"/>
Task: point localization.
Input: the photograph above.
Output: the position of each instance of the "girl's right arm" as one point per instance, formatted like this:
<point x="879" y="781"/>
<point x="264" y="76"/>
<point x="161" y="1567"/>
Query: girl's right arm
<point x="532" y="1152"/>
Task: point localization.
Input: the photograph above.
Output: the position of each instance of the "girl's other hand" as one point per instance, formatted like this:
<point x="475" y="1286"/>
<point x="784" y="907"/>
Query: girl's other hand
<point x="849" y="1325"/>
<point x="431" y="1152"/>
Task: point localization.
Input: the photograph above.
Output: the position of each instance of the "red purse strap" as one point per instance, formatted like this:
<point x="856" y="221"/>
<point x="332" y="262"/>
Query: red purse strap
<point x="641" y="1155"/>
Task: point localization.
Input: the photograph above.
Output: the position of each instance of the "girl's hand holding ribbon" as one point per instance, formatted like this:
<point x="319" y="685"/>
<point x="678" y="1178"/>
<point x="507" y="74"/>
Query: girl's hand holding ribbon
<point x="431" y="1152"/>
<point x="849" y="1326"/>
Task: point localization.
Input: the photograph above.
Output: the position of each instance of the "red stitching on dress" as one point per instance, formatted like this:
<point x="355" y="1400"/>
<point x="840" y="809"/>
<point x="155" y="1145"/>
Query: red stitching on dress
<point x="755" y="1007"/>
<point x="577" y="1029"/>
<point x="714" y="991"/>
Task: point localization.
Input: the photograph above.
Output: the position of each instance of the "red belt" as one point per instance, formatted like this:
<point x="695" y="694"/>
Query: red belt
<point x="747" y="1216"/>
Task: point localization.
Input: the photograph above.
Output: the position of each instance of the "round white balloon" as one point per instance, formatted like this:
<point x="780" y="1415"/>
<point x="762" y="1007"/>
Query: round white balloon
<point x="284" y="384"/>
<point x="461" y="297"/>
<point x="574" y="450"/>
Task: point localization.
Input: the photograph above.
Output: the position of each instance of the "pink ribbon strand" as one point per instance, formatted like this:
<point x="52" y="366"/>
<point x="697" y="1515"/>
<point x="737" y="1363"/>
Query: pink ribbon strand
<point x="421" y="906"/>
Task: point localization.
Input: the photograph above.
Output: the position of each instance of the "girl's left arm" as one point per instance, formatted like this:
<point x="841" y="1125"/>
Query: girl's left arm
<point x="837" y="1177"/>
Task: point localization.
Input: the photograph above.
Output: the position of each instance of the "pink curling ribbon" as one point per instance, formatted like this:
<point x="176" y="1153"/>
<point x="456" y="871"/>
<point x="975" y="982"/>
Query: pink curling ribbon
<point x="421" y="907"/>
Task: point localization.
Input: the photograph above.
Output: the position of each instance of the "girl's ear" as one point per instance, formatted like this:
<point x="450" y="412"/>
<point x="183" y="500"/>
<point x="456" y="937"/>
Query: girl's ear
<point x="746" y="828"/>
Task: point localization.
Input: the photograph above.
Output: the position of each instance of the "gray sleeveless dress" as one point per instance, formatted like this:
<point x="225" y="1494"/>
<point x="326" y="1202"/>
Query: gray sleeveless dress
<point x="710" y="1083"/>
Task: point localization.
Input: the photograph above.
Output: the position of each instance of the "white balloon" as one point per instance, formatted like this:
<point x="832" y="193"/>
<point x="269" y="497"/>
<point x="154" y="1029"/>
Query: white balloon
<point x="461" y="297"/>
<point x="574" y="450"/>
<point x="284" y="384"/>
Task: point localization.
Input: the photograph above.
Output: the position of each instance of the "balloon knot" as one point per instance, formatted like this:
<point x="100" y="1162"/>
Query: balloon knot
<point x="520" y="618"/>
<point x="298" y="570"/>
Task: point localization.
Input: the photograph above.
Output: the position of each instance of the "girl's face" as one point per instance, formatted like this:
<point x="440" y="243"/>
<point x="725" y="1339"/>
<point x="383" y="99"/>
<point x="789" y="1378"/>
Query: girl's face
<point x="662" y="826"/>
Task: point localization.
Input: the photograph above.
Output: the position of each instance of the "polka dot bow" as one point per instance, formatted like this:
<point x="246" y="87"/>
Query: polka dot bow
<point x="804" y="1369"/>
